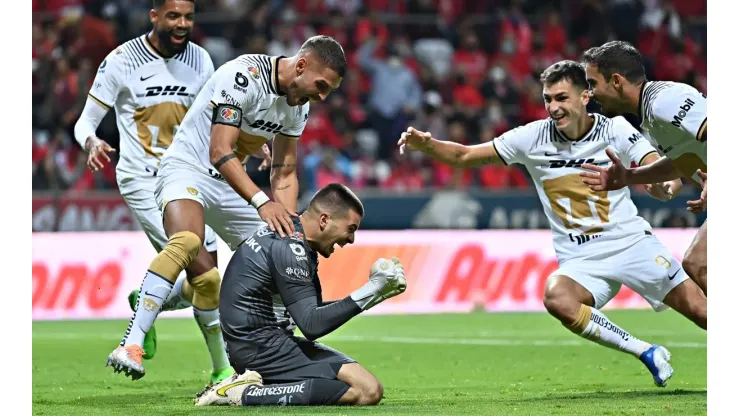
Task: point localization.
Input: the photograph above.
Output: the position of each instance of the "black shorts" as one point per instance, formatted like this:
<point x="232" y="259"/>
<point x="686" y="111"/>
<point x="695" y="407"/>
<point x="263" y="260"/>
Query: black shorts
<point x="281" y="357"/>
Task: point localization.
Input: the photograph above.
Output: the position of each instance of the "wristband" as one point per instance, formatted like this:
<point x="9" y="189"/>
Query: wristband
<point x="259" y="199"/>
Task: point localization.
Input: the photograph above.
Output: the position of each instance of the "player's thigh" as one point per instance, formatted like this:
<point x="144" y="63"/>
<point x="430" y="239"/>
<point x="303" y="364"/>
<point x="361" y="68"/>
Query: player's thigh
<point x="648" y="268"/>
<point x="139" y="196"/>
<point x="232" y="218"/>
<point x="582" y="281"/>
<point x="180" y="194"/>
<point x="688" y="299"/>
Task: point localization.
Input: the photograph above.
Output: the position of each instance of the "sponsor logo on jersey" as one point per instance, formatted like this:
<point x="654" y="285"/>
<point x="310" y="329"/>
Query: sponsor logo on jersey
<point x="253" y="244"/>
<point x="254" y="72"/>
<point x="299" y="251"/>
<point x="228" y="114"/>
<point x="682" y="111"/>
<point x="297" y="272"/>
<point x="267" y="126"/>
<point x="156" y="91"/>
<point x="573" y="163"/>
<point x="229" y="99"/>
<point x="634" y="138"/>
<point x="582" y="239"/>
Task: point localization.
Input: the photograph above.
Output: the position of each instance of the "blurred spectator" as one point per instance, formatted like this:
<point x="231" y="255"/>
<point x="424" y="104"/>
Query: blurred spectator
<point x="395" y="95"/>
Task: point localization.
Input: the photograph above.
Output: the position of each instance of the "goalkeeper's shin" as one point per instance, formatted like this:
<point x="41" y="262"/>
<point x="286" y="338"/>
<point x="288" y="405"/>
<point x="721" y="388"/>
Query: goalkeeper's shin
<point x="314" y="392"/>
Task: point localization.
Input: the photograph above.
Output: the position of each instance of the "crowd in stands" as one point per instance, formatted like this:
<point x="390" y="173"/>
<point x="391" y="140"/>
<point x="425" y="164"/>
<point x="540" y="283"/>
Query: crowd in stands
<point x="465" y="70"/>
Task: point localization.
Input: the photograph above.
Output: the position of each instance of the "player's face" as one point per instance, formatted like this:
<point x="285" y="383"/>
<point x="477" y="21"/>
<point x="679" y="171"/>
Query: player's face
<point x="313" y="82"/>
<point x="603" y="91"/>
<point x="173" y="24"/>
<point x="565" y="103"/>
<point x="340" y="231"/>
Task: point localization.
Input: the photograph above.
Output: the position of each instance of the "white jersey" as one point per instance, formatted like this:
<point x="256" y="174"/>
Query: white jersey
<point x="243" y="93"/>
<point x="584" y="222"/>
<point x="150" y="95"/>
<point x="674" y="115"/>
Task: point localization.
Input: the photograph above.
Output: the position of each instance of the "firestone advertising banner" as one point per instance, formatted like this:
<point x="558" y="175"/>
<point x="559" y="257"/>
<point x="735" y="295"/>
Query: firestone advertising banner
<point x="89" y="275"/>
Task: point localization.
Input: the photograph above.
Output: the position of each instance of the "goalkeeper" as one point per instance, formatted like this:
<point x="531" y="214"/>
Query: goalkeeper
<point x="270" y="286"/>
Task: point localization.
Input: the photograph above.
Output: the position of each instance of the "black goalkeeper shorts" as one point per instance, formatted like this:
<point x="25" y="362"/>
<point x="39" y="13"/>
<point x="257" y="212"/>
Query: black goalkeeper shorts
<point x="281" y="357"/>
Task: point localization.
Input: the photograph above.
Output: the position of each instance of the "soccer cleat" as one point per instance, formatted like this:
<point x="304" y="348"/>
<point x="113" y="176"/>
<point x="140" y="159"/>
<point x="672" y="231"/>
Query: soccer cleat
<point x="219" y="375"/>
<point x="150" y="339"/>
<point x="658" y="360"/>
<point x="127" y="360"/>
<point x="229" y="391"/>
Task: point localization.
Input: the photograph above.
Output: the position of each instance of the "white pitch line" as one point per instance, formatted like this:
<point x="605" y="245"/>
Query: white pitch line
<point x="498" y="342"/>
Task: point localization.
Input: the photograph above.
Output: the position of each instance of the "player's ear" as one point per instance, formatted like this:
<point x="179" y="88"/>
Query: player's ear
<point x="300" y="65"/>
<point x="324" y="220"/>
<point x="153" y="17"/>
<point x="585" y="96"/>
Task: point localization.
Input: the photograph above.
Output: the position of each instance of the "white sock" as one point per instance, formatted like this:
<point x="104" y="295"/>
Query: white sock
<point x="176" y="301"/>
<point x="210" y="326"/>
<point x="602" y="331"/>
<point x="154" y="290"/>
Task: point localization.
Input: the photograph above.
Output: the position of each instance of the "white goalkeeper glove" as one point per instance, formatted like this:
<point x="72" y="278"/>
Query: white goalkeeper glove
<point x="387" y="279"/>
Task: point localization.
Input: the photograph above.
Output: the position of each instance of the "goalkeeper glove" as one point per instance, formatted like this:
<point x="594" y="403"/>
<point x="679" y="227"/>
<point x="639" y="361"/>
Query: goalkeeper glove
<point x="387" y="279"/>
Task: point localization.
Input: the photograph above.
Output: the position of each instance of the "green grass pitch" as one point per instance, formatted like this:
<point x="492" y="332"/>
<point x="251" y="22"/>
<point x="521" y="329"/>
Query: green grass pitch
<point x="459" y="364"/>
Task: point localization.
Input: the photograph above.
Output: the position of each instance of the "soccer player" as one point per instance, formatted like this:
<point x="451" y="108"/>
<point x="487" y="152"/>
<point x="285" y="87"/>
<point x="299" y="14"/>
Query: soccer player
<point x="247" y="101"/>
<point x="600" y="241"/>
<point x="271" y="286"/>
<point x="673" y="114"/>
<point x="151" y="81"/>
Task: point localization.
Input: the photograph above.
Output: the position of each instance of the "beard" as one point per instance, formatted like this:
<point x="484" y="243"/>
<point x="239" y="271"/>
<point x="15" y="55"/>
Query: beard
<point x="165" y="39"/>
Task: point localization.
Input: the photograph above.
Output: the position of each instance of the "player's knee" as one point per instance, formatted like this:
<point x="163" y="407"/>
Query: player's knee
<point x="372" y="394"/>
<point x="206" y="288"/>
<point x="698" y="310"/>
<point x="693" y="265"/>
<point x="186" y="244"/>
<point x="558" y="304"/>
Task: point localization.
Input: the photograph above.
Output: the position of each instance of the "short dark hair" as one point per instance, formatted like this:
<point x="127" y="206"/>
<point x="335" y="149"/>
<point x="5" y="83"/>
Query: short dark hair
<point x="156" y="4"/>
<point x="337" y="199"/>
<point x="329" y="51"/>
<point x="570" y="71"/>
<point x="617" y="57"/>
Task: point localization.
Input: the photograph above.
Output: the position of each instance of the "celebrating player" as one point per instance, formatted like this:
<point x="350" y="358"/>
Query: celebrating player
<point x="151" y="81"/>
<point x="271" y="286"/>
<point x="671" y="113"/>
<point x="600" y="241"/>
<point x="247" y="101"/>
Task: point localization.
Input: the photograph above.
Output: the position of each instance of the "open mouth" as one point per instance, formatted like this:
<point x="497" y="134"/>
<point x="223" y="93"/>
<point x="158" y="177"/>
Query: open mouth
<point x="179" y="37"/>
<point x="558" y="118"/>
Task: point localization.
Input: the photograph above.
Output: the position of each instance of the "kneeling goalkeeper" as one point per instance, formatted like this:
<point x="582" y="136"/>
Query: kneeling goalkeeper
<point x="271" y="285"/>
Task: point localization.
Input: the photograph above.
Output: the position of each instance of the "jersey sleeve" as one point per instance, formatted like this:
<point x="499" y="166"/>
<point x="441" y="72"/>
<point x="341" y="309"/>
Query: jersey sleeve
<point x="630" y="144"/>
<point x="292" y="271"/>
<point x="513" y="146"/>
<point x="682" y="108"/>
<point x="295" y="130"/>
<point x="232" y="95"/>
<point x="108" y="80"/>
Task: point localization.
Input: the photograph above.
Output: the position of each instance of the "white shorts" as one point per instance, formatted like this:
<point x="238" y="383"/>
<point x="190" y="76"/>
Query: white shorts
<point x="139" y="196"/>
<point x="230" y="216"/>
<point x="646" y="267"/>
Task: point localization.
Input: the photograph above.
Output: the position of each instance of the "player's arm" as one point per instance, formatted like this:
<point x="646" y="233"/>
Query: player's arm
<point x="449" y="153"/>
<point x="659" y="171"/>
<point x="294" y="281"/>
<point x="228" y="103"/>
<point x="663" y="190"/>
<point x="683" y="110"/>
<point x="100" y="100"/>
<point x="283" y="171"/>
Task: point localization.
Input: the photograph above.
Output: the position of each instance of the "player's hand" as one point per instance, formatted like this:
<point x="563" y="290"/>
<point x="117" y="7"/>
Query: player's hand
<point x="278" y="218"/>
<point x="414" y="140"/>
<point x="387" y="279"/>
<point x="98" y="151"/>
<point x="664" y="191"/>
<point x="266" y="158"/>
<point x="605" y="179"/>
<point x="700" y="205"/>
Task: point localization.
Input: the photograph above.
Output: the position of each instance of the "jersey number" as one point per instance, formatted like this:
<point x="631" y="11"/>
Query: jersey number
<point x="575" y="203"/>
<point x="156" y="126"/>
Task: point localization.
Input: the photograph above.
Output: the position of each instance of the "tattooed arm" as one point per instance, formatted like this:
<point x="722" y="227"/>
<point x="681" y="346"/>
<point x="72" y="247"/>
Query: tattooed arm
<point x="283" y="173"/>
